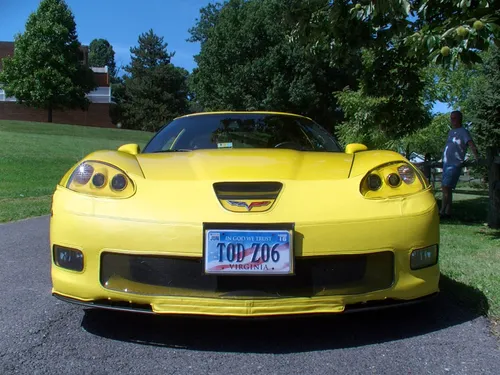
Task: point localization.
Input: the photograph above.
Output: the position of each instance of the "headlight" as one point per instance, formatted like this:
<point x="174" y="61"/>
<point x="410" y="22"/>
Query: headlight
<point x="422" y="258"/>
<point x="392" y="180"/>
<point x="407" y="173"/>
<point x="101" y="179"/>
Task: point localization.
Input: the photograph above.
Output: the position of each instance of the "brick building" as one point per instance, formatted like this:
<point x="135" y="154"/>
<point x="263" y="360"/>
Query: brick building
<point x="98" y="113"/>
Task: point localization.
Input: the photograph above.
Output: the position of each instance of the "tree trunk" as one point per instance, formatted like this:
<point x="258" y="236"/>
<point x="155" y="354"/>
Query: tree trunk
<point x="494" y="184"/>
<point x="49" y="119"/>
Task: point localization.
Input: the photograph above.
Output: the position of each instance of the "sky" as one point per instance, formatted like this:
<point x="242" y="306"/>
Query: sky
<point x="121" y="22"/>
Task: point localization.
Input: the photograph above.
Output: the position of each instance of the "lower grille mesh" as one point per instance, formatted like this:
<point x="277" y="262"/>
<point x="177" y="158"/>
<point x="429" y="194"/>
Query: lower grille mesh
<point x="315" y="276"/>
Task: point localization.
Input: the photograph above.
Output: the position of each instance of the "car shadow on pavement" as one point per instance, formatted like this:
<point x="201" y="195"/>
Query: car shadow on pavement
<point x="457" y="303"/>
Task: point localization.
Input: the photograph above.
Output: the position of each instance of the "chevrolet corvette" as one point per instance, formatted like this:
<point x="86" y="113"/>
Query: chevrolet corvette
<point x="244" y="214"/>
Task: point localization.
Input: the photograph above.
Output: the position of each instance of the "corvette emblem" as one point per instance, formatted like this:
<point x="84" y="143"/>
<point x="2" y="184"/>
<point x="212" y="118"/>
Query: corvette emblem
<point x="251" y="205"/>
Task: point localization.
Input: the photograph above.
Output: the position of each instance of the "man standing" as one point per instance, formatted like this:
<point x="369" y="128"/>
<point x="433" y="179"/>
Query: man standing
<point x="458" y="140"/>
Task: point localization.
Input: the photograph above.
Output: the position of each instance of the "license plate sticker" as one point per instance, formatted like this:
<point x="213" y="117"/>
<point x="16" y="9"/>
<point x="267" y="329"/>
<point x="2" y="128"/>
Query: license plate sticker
<point x="261" y="252"/>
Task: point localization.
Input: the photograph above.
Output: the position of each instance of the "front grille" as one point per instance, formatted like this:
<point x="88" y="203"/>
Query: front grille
<point x="314" y="276"/>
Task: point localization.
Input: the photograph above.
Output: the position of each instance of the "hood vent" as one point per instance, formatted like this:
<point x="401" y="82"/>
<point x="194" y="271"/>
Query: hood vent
<point x="247" y="196"/>
<point x="247" y="190"/>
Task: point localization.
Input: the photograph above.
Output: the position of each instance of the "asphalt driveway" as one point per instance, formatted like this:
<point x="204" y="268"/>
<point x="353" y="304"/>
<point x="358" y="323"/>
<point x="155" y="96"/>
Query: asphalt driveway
<point x="41" y="335"/>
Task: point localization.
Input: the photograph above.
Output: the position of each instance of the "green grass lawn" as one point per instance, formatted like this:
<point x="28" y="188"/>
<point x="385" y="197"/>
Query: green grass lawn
<point x="470" y="253"/>
<point x="34" y="157"/>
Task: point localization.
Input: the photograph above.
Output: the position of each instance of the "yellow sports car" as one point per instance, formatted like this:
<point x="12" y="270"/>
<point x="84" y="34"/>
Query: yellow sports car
<point x="244" y="214"/>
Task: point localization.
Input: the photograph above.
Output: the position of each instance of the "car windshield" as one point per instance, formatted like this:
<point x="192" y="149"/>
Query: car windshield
<point x="242" y="130"/>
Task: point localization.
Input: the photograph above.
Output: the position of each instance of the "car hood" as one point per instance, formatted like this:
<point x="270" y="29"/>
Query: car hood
<point x="245" y="165"/>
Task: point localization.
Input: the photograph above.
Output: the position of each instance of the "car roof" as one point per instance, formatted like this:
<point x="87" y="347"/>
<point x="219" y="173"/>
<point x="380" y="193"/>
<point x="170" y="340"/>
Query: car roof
<point x="244" y="112"/>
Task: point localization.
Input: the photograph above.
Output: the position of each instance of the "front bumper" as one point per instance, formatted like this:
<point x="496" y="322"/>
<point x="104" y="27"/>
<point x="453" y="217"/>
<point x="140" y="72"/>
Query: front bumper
<point x="372" y="259"/>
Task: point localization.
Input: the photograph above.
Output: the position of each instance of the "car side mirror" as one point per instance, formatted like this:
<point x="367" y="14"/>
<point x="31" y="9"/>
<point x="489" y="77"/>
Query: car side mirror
<point x="130" y="148"/>
<point x="352" y="148"/>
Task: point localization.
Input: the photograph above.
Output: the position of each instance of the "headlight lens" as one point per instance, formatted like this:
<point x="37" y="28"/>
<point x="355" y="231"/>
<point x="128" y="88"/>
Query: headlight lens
<point x="83" y="173"/>
<point x="422" y="258"/>
<point x="407" y="174"/>
<point x="392" y="180"/>
<point x="101" y="179"/>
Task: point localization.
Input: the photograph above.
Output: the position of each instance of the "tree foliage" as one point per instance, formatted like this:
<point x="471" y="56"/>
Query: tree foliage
<point x="206" y="23"/>
<point x="250" y="61"/>
<point x="154" y="91"/>
<point x="45" y="71"/>
<point x="450" y="86"/>
<point x="446" y="31"/>
<point x="431" y="139"/>
<point x="388" y="100"/>
<point x="395" y="89"/>
<point x="101" y="54"/>
<point x="311" y="57"/>
<point x="483" y="103"/>
<point x="389" y="103"/>
<point x="475" y="91"/>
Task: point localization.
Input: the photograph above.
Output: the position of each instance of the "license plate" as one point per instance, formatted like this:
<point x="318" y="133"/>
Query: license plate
<point x="256" y="252"/>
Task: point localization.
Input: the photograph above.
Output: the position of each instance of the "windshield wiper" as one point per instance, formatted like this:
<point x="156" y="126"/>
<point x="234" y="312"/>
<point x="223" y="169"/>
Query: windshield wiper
<point x="174" y="150"/>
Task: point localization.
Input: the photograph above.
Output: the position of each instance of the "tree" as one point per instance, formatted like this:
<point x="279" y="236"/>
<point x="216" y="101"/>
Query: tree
<point x="483" y="103"/>
<point x="357" y="67"/>
<point x="388" y="100"/>
<point x="205" y="23"/>
<point x="101" y="54"/>
<point x="250" y="60"/>
<point x="452" y="31"/>
<point x="431" y="139"/>
<point x="451" y="86"/>
<point x="446" y="31"/>
<point x="46" y="70"/>
<point x="389" y="103"/>
<point x="405" y="37"/>
<point x="154" y="90"/>
<point x="473" y="90"/>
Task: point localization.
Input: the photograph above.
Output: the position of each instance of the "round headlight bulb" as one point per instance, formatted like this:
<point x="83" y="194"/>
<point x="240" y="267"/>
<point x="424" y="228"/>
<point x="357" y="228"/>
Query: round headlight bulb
<point x="119" y="182"/>
<point x="394" y="180"/>
<point x="99" y="180"/>
<point x="374" y="182"/>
